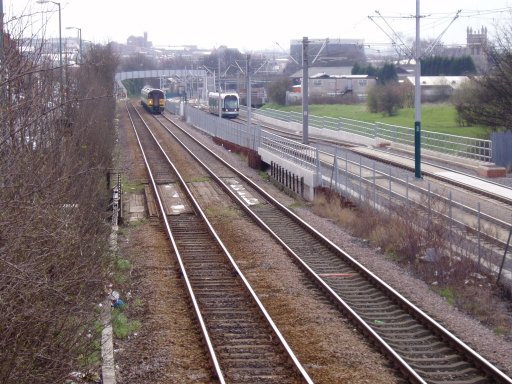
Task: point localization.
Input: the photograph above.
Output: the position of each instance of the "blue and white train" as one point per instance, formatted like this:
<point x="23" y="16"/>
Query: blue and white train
<point x="229" y="104"/>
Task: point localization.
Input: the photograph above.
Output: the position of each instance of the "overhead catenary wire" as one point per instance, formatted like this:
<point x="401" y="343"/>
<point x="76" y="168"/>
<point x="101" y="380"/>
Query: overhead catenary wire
<point x="436" y="41"/>
<point x="397" y="47"/>
<point x="433" y="21"/>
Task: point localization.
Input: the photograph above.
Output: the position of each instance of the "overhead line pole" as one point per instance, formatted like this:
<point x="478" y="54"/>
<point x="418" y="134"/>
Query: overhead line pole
<point x="305" y="86"/>
<point x="249" y="91"/>
<point x="417" y="99"/>
<point x="218" y="90"/>
<point x="417" y="81"/>
<point x="305" y="91"/>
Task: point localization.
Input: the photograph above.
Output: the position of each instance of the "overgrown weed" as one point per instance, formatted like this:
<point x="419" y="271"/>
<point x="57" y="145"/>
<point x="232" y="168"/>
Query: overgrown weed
<point x="121" y="325"/>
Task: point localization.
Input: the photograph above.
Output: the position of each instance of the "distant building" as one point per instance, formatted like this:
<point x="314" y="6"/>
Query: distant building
<point x="339" y="85"/>
<point x="437" y="88"/>
<point x="328" y="53"/>
<point x="334" y="85"/>
<point x="476" y="43"/>
<point x="139" y="41"/>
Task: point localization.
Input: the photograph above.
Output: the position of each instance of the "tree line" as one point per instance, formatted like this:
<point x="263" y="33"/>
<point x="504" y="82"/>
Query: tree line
<point x="447" y="66"/>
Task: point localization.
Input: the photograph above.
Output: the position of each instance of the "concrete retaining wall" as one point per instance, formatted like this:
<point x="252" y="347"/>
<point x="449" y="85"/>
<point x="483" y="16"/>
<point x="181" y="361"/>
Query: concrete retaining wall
<point x="311" y="179"/>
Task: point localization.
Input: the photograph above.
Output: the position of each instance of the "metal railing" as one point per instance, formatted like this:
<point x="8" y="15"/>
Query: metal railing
<point x="252" y="137"/>
<point x="275" y="114"/>
<point x="473" y="229"/>
<point x="459" y="146"/>
<point x="298" y="153"/>
<point x="362" y="181"/>
<point x="222" y="128"/>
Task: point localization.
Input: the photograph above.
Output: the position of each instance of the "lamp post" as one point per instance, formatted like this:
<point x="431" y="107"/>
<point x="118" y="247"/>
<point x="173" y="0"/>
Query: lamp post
<point x="80" y="42"/>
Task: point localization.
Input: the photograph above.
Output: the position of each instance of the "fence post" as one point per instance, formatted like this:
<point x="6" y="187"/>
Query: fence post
<point x="318" y="173"/>
<point x="346" y="171"/>
<point x="336" y="170"/>
<point x="429" y="207"/>
<point x="374" y="188"/>
<point x="478" y="223"/>
<point x="360" y="179"/>
<point x="390" y="194"/>
<point x="450" y="215"/>
<point x="504" y="254"/>
<point x="407" y="189"/>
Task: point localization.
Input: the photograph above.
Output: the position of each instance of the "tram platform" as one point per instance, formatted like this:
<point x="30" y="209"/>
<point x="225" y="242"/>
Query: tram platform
<point x="481" y="171"/>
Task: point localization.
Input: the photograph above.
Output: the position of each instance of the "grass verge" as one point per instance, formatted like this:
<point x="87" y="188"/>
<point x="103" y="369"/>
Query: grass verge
<point x="439" y="117"/>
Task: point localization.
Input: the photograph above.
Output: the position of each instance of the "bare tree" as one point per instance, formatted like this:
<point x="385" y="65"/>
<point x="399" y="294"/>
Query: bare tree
<point x="55" y="149"/>
<point x="488" y="98"/>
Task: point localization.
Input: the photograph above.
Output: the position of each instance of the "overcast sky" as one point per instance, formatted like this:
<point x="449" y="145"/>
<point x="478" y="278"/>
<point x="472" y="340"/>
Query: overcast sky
<point x="255" y="25"/>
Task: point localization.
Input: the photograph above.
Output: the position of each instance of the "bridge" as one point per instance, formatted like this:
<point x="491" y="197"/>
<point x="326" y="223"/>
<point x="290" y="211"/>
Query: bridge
<point x="158" y="73"/>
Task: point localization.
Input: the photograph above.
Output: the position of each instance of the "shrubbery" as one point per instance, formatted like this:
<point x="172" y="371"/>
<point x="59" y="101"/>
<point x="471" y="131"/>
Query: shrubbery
<point x="486" y="99"/>
<point x="387" y="98"/>
<point x="56" y="144"/>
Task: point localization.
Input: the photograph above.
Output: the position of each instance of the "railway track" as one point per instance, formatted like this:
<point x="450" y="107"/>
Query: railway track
<point x="468" y="208"/>
<point x="243" y="343"/>
<point x="418" y="346"/>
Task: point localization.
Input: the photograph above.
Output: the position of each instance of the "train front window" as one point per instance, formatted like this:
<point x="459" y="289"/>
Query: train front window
<point x="230" y="102"/>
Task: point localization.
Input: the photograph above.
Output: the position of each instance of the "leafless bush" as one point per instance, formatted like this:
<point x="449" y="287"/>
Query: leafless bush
<point x="422" y="241"/>
<point x="55" y="146"/>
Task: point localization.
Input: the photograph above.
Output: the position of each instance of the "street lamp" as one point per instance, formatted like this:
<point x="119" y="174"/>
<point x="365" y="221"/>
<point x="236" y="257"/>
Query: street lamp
<point x="80" y="41"/>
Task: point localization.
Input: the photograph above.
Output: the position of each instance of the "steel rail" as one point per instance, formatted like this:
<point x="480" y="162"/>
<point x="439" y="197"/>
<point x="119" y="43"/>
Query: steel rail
<point x="296" y="363"/>
<point x="395" y="296"/>
<point x="197" y="311"/>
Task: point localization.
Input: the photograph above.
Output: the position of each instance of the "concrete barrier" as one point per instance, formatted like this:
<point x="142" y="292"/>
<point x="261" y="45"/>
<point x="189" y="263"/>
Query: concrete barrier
<point x="311" y="178"/>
